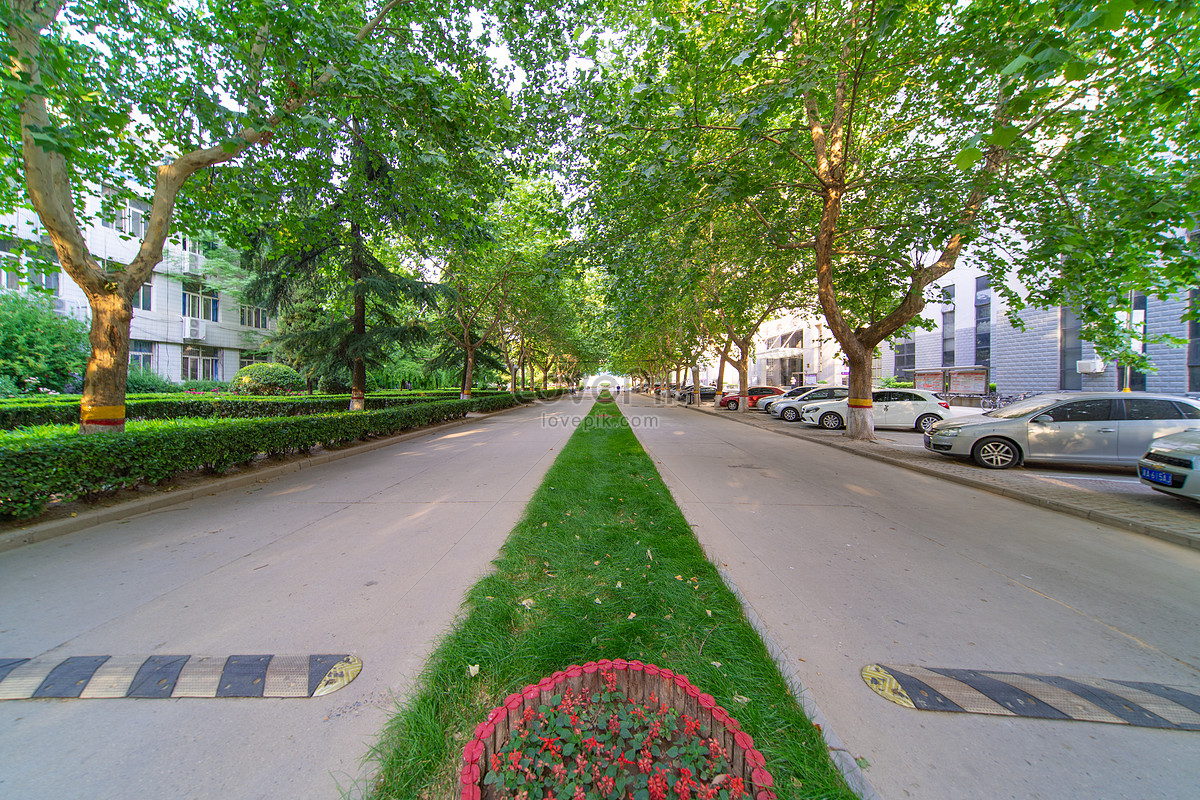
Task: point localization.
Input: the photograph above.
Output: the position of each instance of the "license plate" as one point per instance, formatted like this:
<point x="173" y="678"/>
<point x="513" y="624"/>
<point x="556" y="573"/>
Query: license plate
<point x="1155" y="475"/>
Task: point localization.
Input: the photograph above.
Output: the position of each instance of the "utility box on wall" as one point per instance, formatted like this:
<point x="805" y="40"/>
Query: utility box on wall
<point x="1090" y="366"/>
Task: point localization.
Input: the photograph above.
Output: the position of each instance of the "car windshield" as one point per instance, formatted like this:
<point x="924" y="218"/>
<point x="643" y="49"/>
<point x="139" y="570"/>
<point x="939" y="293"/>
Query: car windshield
<point x="1022" y="408"/>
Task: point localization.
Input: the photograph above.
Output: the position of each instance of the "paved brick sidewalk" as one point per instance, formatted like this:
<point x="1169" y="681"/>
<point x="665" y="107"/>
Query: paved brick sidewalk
<point x="1157" y="515"/>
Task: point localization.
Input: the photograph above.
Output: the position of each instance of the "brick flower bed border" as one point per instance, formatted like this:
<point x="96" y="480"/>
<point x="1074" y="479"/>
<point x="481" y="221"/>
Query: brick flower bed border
<point x="636" y="680"/>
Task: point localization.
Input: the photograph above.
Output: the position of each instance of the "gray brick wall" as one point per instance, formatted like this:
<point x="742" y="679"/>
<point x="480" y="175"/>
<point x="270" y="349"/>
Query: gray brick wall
<point x="1163" y="317"/>
<point x="1025" y="361"/>
<point x="929" y="349"/>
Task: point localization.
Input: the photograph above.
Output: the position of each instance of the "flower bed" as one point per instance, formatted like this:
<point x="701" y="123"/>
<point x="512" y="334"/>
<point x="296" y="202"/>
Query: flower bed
<point x="612" y="729"/>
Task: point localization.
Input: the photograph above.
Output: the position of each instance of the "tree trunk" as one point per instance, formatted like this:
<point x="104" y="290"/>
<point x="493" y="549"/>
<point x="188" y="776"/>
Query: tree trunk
<point x="468" y="374"/>
<point x="721" y="374"/>
<point x="102" y="409"/>
<point x="861" y="419"/>
<point x="695" y="384"/>
<point x="358" y="370"/>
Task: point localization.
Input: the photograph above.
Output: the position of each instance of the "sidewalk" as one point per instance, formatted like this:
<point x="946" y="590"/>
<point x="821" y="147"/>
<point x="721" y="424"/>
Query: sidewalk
<point x="1158" y="515"/>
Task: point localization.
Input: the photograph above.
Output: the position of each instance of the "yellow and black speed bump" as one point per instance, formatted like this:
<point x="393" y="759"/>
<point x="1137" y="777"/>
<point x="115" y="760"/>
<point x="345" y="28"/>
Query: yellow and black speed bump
<point x="1149" y="705"/>
<point x="93" y="677"/>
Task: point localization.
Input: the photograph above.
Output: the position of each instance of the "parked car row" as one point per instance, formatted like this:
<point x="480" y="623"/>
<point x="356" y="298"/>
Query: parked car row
<point x="1157" y="434"/>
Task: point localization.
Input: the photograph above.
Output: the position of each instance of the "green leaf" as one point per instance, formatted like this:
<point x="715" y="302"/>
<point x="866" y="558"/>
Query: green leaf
<point x="1076" y="70"/>
<point x="968" y="158"/>
<point x="1001" y="138"/>
<point x="1017" y="64"/>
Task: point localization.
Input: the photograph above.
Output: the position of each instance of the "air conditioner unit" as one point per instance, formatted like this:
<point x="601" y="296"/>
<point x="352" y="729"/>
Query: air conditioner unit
<point x="193" y="328"/>
<point x="59" y="304"/>
<point x="191" y="264"/>
<point x="1090" y="366"/>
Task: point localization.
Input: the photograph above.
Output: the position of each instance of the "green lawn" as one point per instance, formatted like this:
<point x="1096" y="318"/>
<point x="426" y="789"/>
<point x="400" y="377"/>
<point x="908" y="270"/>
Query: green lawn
<point x="602" y="566"/>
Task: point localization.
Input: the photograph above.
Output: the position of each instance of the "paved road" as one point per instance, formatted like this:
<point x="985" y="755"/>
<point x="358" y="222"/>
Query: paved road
<point x="370" y="555"/>
<point x="849" y="561"/>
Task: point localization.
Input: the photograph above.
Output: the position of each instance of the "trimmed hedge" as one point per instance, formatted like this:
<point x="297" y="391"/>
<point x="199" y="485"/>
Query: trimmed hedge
<point x="162" y="407"/>
<point x="56" y="463"/>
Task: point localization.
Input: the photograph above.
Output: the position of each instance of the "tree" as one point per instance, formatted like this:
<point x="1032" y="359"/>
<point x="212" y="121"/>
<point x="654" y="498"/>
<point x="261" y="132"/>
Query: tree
<point x="155" y="93"/>
<point x="492" y="276"/>
<point x="878" y="141"/>
<point x="39" y="348"/>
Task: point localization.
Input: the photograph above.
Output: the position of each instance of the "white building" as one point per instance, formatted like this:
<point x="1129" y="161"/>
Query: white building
<point x="183" y="328"/>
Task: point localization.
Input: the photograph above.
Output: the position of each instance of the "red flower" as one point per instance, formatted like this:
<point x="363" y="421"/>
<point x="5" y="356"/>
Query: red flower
<point x="736" y="789"/>
<point x="606" y="784"/>
<point x="658" y="785"/>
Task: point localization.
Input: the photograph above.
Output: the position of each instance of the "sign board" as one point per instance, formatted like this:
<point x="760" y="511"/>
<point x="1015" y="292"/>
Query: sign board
<point x="968" y="381"/>
<point x="929" y="380"/>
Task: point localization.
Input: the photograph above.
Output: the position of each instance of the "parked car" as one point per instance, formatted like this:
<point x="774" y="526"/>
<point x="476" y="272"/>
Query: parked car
<point x="754" y="394"/>
<point x="1113" y="428"/>
<point x="1169" y="465"/>
<point x="893" y="408"/>
<point x="688" y="395"/>
<point x="788" y="408"/>
<point x="764" y="403"/>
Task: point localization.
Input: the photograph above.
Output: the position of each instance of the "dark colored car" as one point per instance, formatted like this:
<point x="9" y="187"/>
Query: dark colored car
<point x="688" y="395"/>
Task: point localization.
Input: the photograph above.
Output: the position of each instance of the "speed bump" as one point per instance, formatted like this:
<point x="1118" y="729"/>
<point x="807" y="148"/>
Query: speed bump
<point x="1020" y="694"/>
<point x="164" y="676"/>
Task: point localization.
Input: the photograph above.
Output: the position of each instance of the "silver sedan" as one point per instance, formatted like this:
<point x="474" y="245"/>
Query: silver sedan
<point x="1066" y="427"/>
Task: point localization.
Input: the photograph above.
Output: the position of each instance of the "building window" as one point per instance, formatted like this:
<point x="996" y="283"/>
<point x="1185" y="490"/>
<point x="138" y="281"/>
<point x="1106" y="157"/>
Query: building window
<point x="201" y="364"/>
<point x="1137" y="379"/>
<point x="191" y="255"/>
<point x="1070" y="351"/>
<point x="191" y="300"/>
<point x="141" y="354"/>
<point x="124" y="215"/>
<point x="248" y="357"/>
<point x="983" y="322"/>
<point x="141" y="299"/>
<point x="906" y="359"/>
<point x="209" y="301"/>
<point x="254" y="317"/>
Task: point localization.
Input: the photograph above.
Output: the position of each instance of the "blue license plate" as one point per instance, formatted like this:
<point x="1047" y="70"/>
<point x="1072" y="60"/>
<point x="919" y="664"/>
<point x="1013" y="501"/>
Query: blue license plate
<point x="1155" y="475"/>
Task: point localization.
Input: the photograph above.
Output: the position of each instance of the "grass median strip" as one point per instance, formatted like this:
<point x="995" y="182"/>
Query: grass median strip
<point x="603" y="565"/>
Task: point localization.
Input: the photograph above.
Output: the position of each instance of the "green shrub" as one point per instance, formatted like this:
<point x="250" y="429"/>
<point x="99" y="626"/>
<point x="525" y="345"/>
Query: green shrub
<point x="8" y="387"/>
<point x="266" y="379"/>
<point x="40" y="350"/>
<point x="37" y="463"/>
<point x="339" y="383"/>
<point x="146" y="381"/>
<point x="205" y="386"/>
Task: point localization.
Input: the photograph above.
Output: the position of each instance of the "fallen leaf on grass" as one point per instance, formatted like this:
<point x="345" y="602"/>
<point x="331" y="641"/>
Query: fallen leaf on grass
<point x="472" y="670"/>
<point x="527" y="602"/>
<point x="740" y="699"/>
<point x="631" y="615"/>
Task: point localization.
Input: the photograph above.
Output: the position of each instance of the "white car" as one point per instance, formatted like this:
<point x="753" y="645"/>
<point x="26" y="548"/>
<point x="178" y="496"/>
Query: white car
<point x="789" y="409"/>
<point x="893" y="408"/>
<point x="1097" y="428"/>
<point x="764" y="403"/>
<point x="1170" y="464"/>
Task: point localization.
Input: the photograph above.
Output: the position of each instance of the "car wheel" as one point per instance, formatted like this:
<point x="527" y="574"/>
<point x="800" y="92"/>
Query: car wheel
<point x="995" y="453"/>
<point x="832" y="421"/>
<point x="790" y="414"/>
<point x="733" y="405"/>
<point x="925" y="422"/>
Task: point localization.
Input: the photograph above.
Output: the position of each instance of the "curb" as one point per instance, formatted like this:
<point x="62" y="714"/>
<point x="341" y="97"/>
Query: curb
<point x="1103" y="517"/>
<point x="40" y="532"/>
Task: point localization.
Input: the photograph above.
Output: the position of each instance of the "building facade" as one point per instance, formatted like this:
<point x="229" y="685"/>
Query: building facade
<point x="184" y="326"/>
<point x="969" y="331"/>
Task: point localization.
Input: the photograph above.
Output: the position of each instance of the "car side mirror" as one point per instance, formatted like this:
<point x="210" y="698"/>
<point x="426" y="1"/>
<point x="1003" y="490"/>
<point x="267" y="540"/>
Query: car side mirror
<point x="1042" y="419"/>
